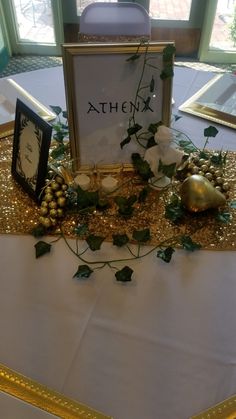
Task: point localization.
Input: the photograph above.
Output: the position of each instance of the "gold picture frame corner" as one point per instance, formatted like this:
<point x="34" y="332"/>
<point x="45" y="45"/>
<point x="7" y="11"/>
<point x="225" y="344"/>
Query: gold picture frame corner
<point x="223" y="410"/>
<point x="195" y="107"/>
<point x="7" y="129"/>
<point x="35" y="394"/>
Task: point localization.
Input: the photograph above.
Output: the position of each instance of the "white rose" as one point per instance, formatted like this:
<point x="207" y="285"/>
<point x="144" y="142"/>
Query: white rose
<point x="163" y="135"/>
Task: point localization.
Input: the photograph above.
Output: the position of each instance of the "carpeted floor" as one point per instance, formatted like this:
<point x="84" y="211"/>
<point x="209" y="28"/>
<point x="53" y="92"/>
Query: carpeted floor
<point x="217" y="68"/>
<point x="22" y="63"/>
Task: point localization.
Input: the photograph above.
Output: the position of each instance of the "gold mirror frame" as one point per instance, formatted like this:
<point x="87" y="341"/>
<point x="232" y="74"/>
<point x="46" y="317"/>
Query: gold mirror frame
<point x="223" y="410"/>
<point x="218" y="87"/>
<point x="37" y="395"/>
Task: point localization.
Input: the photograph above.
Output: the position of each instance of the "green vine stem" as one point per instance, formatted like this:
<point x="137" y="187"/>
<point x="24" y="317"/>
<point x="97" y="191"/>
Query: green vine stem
<point x="168" y="242"/>
<point x="134" y="127"/>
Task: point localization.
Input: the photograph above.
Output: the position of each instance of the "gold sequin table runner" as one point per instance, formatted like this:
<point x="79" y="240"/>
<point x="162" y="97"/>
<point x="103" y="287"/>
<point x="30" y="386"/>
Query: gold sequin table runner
<point x="19" y="213"/>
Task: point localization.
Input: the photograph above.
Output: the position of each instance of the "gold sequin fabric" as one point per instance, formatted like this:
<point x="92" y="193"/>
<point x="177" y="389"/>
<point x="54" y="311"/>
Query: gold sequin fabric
<point x="19" y="213"/>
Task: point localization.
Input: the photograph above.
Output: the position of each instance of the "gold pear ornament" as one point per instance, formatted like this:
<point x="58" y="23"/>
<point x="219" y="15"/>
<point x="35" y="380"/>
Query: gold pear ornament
<point x="198" y="194"/>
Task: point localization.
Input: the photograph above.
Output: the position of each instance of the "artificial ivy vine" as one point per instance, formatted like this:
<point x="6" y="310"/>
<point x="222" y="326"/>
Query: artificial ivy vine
<point x="84" y="202"/>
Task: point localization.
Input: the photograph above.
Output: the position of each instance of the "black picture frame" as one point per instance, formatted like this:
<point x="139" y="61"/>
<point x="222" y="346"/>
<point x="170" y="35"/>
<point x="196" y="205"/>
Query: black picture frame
<point x="31" y="143"/>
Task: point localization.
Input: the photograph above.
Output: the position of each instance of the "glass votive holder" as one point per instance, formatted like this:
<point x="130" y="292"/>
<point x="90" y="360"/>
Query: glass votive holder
<point x="109" y="177"/>
<point x="84" y="176"/>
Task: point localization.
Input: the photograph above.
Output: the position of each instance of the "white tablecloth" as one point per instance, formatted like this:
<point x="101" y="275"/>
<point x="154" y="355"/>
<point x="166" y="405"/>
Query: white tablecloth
<point x="160" y="347"/>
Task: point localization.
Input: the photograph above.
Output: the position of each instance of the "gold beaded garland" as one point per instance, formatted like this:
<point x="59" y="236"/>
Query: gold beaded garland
<point x="205" y="167"/>
<point x="61" y="201"/>
<point x="59" y="193"/>
<point x="201" y="162"/>
<point x="209" y="175"/>
<point x="59" y="179"/>
<point x="55" y="186"/>
<point x="46" y="222"/>
<point x="60" y="212"/>
<point x="225" y="186"/>
<point x="43" y="210"/>
<point x="53" y="221"/>
<point x="48" y="197"/>
<point x="195" y="170"/>
<point x="48" y="189"/>
<point x="53" y="202"/>
<point x="53" y="213"/>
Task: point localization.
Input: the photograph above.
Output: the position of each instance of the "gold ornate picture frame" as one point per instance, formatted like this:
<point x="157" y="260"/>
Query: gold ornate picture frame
<point x="222" y="410"/>
<point x="102" y="83"/>
<point x="216" y="101"/>
<point x="25" y="390"/>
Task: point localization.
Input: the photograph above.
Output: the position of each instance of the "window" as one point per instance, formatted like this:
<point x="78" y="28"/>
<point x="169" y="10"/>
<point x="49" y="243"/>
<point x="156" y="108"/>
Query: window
<point x="161" y="9"/>
<point x="217" y="43"/>
<point x="81" y="4"/>
<point x="221" y="36"/>
<point x="170" y="10"/>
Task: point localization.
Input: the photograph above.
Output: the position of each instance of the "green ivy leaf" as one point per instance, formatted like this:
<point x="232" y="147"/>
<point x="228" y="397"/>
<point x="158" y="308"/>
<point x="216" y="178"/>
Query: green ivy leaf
<point x="167" y="169"/>
<point x="95" y="242"/>
<point x="58" y="152"/>
<point x="219" y="159"/>
<point x="125" y="205"/>
<point x="141" y="166"/>
<point x="177" y="117"/>
<point x="103" y="204"/>
<point x="81" y="229"/>
<point x="143" y="194"/>
<point x="152" y="85"/>
<point x="124" y="275"/>
<point x="187" y="146"/>
<point x="174" y="211"/>
<point x="168" y="52"/>
<point x="203" y="155"/>
<point x="189" y="244"/>
<point x="133" y="57"/>
<point x="65" y="114"/>
<point x="56" y="109"/>
<point x="125" y="141"/>
<point x="120" y="239"/>
<point x="87" y="199"/>
<point x="56" y="127"/>
<point x="167" y="72"/>
<point x="153" y="127"/>
<point x="223" y="217"/>
<point x="151" y="142"/>
<point x="232" y="204"/>
<point x="210" y="131"/>
<point x="60" y="135"/>
<point x="134" y="129"/>
<point x="38" y="231"/>
<point x="175" y="200"/>
<point x="84" y="271"/>
<point x="141" y="236"/>
<point x="65" y="127"/>
<point x="41" y="248"/>
<point x="165" y="254"/>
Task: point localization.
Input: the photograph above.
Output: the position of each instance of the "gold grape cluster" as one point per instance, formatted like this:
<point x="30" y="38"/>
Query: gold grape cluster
<point x="205" y="167"/>
<point x="53" y="202"/>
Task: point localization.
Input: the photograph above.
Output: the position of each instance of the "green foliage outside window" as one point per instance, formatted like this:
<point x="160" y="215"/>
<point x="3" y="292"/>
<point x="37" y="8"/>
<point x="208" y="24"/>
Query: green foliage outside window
<point x="233" y="27"/>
